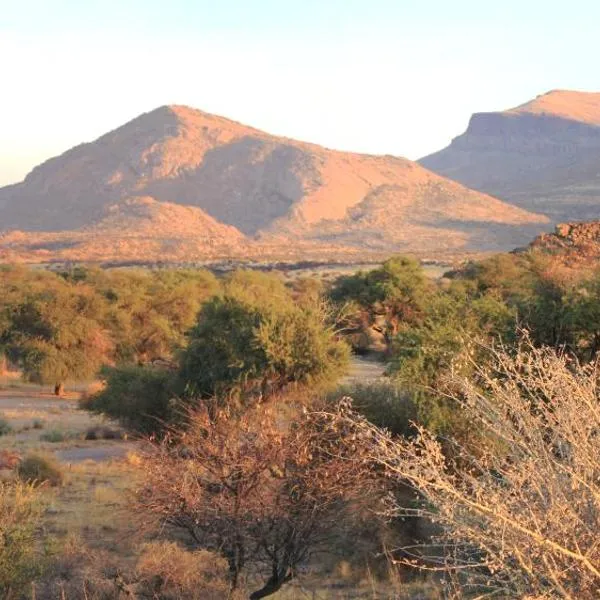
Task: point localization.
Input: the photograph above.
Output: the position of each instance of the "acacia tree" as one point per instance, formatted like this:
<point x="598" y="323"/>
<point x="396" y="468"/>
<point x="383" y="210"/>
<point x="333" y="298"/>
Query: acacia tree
<point x="56" y="335"/>
<point x="522" y="520"/>
<point x="392" y="294"/>
<point x="266" y="498"/>
<point x="251" y="342"/>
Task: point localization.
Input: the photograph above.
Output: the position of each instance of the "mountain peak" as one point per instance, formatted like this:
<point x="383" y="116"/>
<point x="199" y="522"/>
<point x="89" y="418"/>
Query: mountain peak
<point x="542" y="155"/>
<point x="567" y="104"/>
<point x="177" y="170"/>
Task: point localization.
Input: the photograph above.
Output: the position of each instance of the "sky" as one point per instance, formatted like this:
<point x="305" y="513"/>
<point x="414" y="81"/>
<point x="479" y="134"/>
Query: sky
<point x="395" y="77"/>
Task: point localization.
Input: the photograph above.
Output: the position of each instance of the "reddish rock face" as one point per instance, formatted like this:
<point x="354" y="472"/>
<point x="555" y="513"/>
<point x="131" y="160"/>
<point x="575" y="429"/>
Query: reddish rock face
<point x="572" y="243"/>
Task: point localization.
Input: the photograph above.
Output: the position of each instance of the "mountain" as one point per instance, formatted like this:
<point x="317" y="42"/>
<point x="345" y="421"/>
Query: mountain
<point x="177" y="183"/>
<point x="543" y="156"/>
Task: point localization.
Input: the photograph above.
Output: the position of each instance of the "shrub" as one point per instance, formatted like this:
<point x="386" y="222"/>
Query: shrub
<point x="170" y="572"/>
<point x="38" y="424"/>
<point x="384" y="404"/>
<point x="5" y="427"/>
<point x="267" y="499"/>
<point x="54" y="436"/>
<point x="20" y="513"/>
<point x="39" y="468"/>
<point x="140" y="398"/>
<point x="522" y="520"/>
<point x="99" y="432"/>
<point x="247" y="346"/>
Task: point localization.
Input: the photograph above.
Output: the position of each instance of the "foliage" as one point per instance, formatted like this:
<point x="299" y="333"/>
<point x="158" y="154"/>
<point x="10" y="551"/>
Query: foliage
<point x="5" y="427"/>
<point x="149" y="312"/>
<point x="384" y="297"/>
<point x="64" y="327"/>
<point x="140" y="398"/>
<point x="255" y="340"/>
<point x="264" y="496"/>
<point x="450" y="338"/>
<point x="55" y="333"/>
<point x="168" y="571"/>
<point x="384" y="403"/>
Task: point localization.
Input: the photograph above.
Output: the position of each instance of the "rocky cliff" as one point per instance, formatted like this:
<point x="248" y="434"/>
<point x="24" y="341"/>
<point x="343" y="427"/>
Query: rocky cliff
<point x="572" y="243"/>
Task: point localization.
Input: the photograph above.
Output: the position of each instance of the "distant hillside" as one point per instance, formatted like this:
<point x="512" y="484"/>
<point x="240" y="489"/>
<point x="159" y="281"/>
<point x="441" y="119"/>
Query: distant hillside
<point x="178" y="182"/>
<point x="543" y="156"/>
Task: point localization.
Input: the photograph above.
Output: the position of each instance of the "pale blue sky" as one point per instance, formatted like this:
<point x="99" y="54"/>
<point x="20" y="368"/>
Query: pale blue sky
<point x="382" y="76"/>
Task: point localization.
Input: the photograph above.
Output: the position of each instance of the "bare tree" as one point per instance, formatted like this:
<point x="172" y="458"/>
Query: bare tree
<point x="519" y="512"/>
<point x="264" y="494"/>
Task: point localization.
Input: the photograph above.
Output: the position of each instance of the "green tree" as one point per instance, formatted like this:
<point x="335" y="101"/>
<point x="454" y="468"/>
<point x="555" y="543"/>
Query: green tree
<point x="256" y="340"/>
<point x="56" y="334"/>
<point x="143" y="399"/>
<point x="383" y="298"/>
<point x="450" y="339"/>
<point x="149" y="312"/>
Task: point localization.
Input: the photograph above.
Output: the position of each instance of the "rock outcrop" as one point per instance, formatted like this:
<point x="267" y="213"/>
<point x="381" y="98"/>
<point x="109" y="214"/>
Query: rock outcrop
<point x="572" y="243"/>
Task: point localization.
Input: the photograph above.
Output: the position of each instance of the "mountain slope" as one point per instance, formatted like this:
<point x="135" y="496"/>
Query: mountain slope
<point x="543" y="156"/>
<point x="244" y="190"/>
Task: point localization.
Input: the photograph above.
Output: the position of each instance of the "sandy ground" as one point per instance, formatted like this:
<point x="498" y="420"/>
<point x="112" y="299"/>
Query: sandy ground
<point x="42" y="422"/>
<point x="364" y="369"/>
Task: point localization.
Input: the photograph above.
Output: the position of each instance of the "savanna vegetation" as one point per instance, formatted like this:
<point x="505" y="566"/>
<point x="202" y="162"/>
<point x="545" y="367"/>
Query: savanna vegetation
<point x="468" y="470"/>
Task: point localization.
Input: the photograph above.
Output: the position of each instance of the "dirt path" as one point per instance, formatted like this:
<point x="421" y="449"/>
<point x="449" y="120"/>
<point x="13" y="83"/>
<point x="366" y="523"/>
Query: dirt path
<point x="42" y="422"/>
<point x="363" y="369"/>
<point x="97" y="453"/>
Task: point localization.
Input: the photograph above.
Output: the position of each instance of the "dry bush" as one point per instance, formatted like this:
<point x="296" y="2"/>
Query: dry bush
<point x="168" y="571"/>
<point x="20" y="513"/>
<point x="38" y="468"/>
<point x="162" y="570"/>
<point x="522" y="520"/>
<point x="77" y="571"/>
<point x="263" y="493"/>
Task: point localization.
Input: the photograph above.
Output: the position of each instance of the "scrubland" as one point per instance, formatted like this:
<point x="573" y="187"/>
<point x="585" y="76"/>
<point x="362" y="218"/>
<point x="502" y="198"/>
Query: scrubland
<point x="382" y="434"/>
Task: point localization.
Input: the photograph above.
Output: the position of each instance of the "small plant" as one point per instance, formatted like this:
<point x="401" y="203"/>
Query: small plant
<point x="55" y="435"/>
<point x="103" y="433"/>
<point x="169" y="571"/>
<point x="38" y="424"/>
<point x="5" y="427"/>
<point x="39" y="468"/>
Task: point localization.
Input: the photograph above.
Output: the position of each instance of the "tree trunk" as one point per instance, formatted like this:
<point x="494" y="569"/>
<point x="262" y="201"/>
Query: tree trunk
<point x="274" y="584"/>
<point x="59" y="389"/>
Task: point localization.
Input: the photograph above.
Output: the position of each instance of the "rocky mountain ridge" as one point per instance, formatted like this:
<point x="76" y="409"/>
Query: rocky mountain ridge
<point x="543" y="156"/>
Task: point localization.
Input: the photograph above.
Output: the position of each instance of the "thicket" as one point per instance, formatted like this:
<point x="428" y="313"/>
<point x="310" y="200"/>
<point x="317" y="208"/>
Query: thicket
<point x="64" y="327"/>
<point x="436" y="331"/>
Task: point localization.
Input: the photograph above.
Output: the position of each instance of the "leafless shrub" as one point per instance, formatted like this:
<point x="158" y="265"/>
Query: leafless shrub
<point x="519" y="516"/>
<point x="265" y="494"/>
